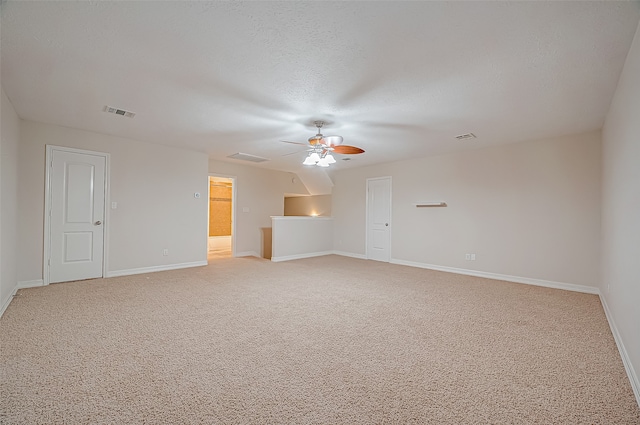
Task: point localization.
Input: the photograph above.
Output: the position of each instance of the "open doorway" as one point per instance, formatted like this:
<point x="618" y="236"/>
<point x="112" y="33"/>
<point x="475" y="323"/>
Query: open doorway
<point x="221" y="223"/>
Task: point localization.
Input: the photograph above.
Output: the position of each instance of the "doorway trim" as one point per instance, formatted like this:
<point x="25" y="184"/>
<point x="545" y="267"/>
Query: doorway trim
<point x="234" y="194"/>
<point x="46" y="257"/>
<point x="366" y="231"/>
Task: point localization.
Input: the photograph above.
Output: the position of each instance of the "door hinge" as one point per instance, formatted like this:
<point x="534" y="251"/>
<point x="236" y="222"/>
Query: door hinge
<point x="49" y="261"/>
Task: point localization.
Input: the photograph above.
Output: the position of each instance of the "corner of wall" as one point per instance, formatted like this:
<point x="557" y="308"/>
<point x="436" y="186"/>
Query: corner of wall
<point x="9" y="142"/>
<point x="620" y="229"/>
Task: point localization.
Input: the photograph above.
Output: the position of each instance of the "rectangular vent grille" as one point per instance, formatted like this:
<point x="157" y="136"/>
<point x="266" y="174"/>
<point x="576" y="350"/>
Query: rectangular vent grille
<point x="466" y="136"/>
<point x="118" y="111"/>
<point x="247" y="157"/>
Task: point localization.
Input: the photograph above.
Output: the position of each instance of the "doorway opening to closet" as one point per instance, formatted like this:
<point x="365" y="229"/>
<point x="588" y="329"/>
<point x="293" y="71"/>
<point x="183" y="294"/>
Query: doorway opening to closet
<point x="221" y="223"/>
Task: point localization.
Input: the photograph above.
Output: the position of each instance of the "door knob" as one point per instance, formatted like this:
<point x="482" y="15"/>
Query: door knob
<point x="98" y="223"/>
<point x="386" y="224"/>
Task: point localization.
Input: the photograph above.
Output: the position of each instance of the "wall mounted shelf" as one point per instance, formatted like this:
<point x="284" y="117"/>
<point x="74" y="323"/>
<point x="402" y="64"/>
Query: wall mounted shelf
<point x="431" y="204"/>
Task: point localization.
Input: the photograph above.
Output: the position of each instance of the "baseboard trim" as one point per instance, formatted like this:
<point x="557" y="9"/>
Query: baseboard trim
<point x="20" y="285"/>
<point x="248" y="254"/>
<point x="5" y="303"/>
<point x="626" y="361"/>
<point x="300" y="256"/>
<point x="153" y="269"/>
<point x="517" y="279"/>
<point x="30" y="283"/>
<point x="350" y="254"/>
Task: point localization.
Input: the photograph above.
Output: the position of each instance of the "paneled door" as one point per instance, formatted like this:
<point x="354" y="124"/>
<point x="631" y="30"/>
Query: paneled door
<point x="76" y="215"/>
<point x="379" y="219"/>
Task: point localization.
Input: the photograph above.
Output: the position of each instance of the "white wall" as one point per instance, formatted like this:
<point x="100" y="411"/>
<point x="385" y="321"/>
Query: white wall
<point x="316" y="179"/>
<point x="529" y="210"/>
<point x="9" y="137"/>
<point x="301" y="237"/>
<point x="621" y="210"/>
<point x="262" y="192"/>
<point x="317" y="205"/>
<point x="153" y="185"/>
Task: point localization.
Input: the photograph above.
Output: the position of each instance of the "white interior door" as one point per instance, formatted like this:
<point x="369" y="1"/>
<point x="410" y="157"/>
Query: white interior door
<point x="76" y="223"/>
<point x="379" y="219"/>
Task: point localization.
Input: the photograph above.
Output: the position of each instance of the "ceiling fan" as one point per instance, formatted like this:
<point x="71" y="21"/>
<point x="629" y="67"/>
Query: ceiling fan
<point x="322" y="147"/>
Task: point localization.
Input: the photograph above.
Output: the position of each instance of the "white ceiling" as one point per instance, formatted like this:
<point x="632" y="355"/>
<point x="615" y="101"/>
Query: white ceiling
<point x="399" y="79"/>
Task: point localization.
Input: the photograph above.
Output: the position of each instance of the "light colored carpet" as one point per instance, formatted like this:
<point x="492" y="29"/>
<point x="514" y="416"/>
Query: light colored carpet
<point x="328" y="340"/>
<point x="215" y="254"/>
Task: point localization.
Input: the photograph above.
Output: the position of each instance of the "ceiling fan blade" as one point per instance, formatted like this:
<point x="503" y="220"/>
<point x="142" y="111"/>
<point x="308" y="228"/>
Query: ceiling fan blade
<point x="347" y="150"/>
<point x="295" y="153"/>
<point x="295" y="143"/>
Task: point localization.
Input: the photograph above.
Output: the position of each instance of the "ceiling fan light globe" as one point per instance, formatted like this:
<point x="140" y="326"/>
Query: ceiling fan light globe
<point x="315" y="140"/>
<point x="314" y="157"/>
<point x="332" y="140"/>
<point x="330" y="159"/>
<point x="323" y="162"/>
<point x="309" y="161"/>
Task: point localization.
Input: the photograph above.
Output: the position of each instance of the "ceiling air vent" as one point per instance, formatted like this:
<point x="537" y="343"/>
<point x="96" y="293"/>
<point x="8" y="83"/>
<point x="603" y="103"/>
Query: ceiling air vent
<point x="466" y="136"/>
<point x="247" y="157"/>
<point x="117" y="111"/>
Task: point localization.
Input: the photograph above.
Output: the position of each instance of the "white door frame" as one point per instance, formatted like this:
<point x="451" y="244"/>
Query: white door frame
<point x="366" y="233"/>
<point x="47" y="208"/>
<point x="234" y="194"/>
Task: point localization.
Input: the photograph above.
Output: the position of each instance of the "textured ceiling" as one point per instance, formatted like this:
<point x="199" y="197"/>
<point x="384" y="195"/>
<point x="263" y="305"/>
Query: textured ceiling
<point x="399" y="79"/>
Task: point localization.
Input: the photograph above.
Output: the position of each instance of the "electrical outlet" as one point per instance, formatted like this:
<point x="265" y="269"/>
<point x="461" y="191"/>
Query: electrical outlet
<point x="165" y="252"/>
<point x="467" y="257"/>
<point x="473" y="257"/>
